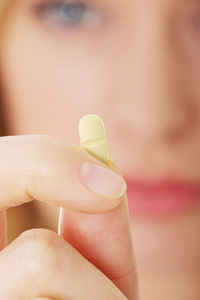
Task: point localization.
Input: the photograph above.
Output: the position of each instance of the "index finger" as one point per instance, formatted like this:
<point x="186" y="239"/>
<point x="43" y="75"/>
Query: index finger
<point x="43" y="168"/>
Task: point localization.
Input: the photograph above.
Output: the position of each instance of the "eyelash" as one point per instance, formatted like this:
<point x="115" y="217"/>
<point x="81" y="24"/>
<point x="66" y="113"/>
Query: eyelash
<point x="55" y="12"/>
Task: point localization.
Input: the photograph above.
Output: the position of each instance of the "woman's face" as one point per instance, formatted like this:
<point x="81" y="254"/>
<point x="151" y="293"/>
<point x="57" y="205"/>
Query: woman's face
<point x="136" y="64"/>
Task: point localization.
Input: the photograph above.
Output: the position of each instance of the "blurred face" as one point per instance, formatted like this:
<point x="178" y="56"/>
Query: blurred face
<point x="136" y="64"/>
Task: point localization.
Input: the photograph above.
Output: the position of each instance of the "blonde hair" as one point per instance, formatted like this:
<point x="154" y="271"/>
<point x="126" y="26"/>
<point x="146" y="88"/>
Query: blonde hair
<point x="3" y="8"/>
<point x="3" y="5"/>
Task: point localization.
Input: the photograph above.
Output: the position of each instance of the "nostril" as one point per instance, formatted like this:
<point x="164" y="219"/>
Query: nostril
<point x="165" y="120"/>
<point x="182" y="124"/>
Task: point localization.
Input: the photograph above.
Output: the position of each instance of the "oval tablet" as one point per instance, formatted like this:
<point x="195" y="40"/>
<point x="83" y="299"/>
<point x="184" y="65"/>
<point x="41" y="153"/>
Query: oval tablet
<point x="93" y="136"/>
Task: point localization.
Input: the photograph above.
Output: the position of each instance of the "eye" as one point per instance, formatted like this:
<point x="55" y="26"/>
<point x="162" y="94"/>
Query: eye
<point x="72" y="12"/>
<point x="67" y="12"/>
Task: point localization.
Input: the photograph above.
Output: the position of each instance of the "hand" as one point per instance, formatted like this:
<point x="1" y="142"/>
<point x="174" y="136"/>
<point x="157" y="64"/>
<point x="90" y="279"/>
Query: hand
<point x="93" y="256"/>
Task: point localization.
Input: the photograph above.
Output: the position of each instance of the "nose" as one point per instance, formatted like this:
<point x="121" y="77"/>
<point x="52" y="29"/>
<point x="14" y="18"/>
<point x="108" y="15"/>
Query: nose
<point x="156" y="103"/>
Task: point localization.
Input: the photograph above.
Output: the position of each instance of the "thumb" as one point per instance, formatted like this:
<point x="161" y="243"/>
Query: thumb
<point x="104" y="238"/>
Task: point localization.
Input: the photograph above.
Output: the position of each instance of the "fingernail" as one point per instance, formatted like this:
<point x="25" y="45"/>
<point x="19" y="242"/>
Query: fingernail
<point x="102" y="180"/>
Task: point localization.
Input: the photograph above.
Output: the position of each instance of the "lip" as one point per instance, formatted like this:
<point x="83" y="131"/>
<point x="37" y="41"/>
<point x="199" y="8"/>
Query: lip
<point x="161" y="198"/>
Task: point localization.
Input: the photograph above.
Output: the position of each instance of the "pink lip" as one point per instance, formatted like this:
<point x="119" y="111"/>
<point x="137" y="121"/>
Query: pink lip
<point x="161" y="198"/>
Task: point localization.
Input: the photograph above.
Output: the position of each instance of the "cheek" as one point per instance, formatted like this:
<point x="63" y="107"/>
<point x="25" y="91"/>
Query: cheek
<point x="81" y="82"/>
<point x="51" y="83"/>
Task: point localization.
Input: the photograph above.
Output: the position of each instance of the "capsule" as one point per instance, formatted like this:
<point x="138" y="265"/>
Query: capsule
<point x="93" y="136"/>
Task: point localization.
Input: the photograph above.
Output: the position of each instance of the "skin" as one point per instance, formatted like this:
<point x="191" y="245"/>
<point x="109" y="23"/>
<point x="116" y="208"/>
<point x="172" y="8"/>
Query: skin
<point x="141" y="62"/>
<point x="51" y="266"/>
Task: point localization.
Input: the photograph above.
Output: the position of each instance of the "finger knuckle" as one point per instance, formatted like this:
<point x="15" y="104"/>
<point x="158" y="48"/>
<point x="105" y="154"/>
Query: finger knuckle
<point x="49" y="142"/>
<point x="40" y="147"/>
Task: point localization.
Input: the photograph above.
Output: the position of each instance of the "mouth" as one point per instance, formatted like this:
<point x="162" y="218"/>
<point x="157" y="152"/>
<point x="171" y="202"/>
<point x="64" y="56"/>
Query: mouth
<point x="164" y="197"/>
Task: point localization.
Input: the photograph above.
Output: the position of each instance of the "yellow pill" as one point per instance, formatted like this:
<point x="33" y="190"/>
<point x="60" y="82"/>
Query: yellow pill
<point x="93" y="136"/>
